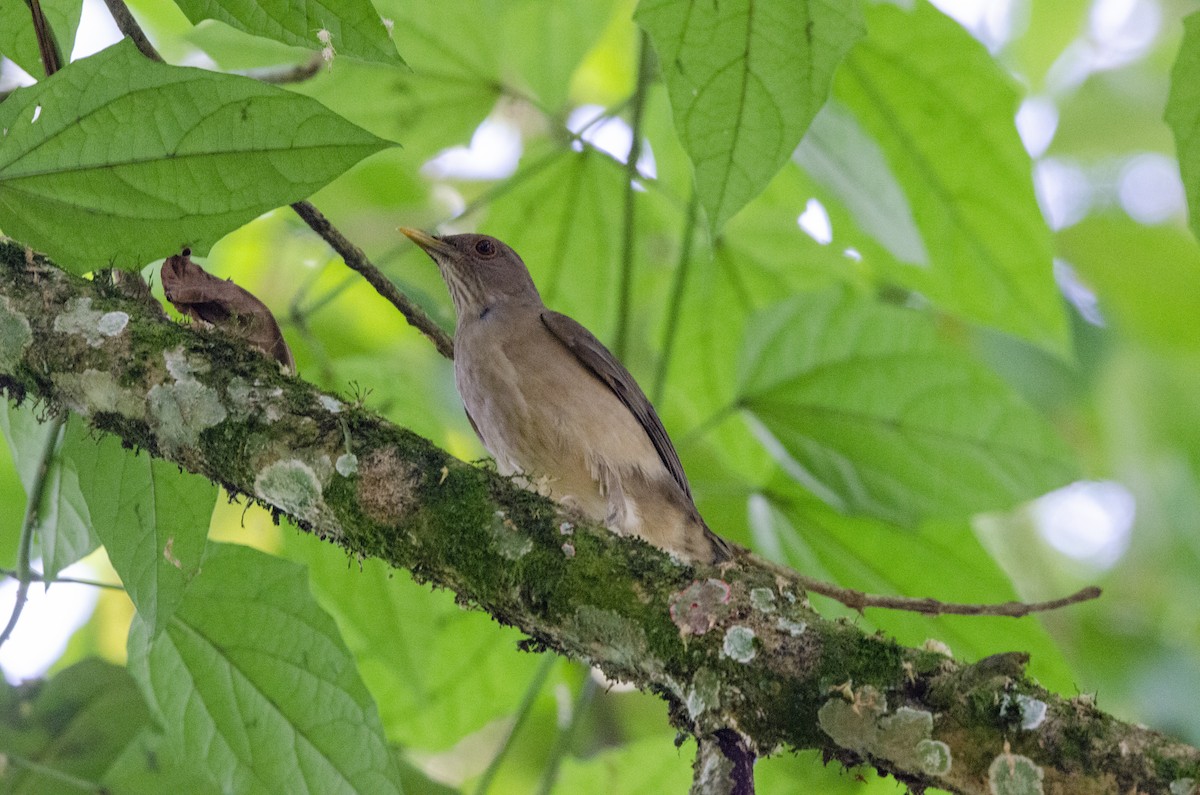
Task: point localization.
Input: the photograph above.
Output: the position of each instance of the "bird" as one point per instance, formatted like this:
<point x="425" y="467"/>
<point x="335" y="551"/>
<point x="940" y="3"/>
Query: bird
<point x="556" y="408"/>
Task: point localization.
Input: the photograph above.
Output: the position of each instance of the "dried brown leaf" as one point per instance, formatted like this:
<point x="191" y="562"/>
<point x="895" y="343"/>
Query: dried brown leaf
<point x="202" y="296"/>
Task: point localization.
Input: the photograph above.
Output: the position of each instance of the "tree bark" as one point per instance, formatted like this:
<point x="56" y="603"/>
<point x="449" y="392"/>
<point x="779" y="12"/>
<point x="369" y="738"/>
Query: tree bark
<point x="742" y="660"/>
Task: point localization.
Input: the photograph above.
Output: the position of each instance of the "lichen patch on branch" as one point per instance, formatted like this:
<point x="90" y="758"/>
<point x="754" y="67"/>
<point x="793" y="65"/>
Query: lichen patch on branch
<point x="903" y="737"/>
<point x="292" y="486"/>
<point x="1014" y="774"/>
<point x="182" y="410"/>
<point x="739" y="644"/>
<point x="1032" y="710"/>
<point x="91" y="324"/>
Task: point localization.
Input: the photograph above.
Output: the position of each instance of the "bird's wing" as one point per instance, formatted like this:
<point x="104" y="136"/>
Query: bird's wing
<point x="592" y="354"/>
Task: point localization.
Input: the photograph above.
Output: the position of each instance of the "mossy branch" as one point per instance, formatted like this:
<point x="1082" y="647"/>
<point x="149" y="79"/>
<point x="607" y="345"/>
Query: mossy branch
<point x="736" y="652"/>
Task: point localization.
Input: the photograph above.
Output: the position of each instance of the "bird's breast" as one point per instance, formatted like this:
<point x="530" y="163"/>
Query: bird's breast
<point x="540" y="412"/>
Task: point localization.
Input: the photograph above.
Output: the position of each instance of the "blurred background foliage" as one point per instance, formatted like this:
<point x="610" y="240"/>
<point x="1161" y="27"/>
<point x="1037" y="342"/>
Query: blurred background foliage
<point x="515" y="120"/>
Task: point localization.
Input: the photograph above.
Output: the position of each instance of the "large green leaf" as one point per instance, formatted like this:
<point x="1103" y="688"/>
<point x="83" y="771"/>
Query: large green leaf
<point x="515" y="45"/>
<point x="75" y="724"/>
<point x="869" y="409"/>
<point x="64" y="528"/>
<point x="746" y="78"/>
<point x="150" y="765"/>
<point x="118" y="159"/>
<point x="437" y="671"/>
<point x="151" y="518"/>
<point x="1183" y="114"/>
<point x="18" y="41"/>
<point x="252" y="680"/>
<point x="942" y="110"/>
<point x="350" y="27"/>
<point x="840" y="155"/>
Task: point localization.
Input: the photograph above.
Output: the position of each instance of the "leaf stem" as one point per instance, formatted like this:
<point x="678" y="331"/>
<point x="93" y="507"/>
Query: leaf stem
<point x="130" y="27"/>
<point x="25" y="542"/>
<point x="37" y="576"/>
<point x="625" y="287"/>
<point x="526" y="706"/>
<point x="563" y="743"/>
<point x="48" y="48"/>
<point x="60" y="776"/>
<point x="714" y="419"/>
<point x="677" y="290"/>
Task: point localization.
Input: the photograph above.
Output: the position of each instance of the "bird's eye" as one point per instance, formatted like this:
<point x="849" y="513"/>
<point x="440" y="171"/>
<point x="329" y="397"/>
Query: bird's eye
<point x="485" y="248"/>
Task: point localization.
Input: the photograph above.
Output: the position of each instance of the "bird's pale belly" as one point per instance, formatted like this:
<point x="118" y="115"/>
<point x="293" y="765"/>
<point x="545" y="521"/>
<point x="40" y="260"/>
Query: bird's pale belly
<point x="522" y="410"/>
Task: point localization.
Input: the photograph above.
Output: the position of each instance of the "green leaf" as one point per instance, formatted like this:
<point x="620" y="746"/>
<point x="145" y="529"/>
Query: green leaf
<point x="518" y="45"/>
<point x="840" y="155"/>
<point x="1147" y="278"/>
<point x="865" y="406"/>
<point x="353" y="27"/>
<point x="746" y="78"/>
<point x="76" y="723"/>
<point x="252" y="680"/>
<point x="120" y="160"/>
<point x="546" y="42"/>
<point x="429" y="112"/>
<point x="64" y="522"/>
<point x="1183" y="114"/>
<point x="18" y="41"/>
<point x="942" y="111"/>
<point x="26" y="438"/>
<point x="64" y="527"/>
<point x="152" y="519"/>
<point x="150" y="765"/>
<point x="762" y="255"/>
<point x="437" y="671"/>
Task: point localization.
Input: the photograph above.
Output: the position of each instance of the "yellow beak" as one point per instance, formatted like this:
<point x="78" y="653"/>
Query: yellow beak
<point x="426" y="240"/>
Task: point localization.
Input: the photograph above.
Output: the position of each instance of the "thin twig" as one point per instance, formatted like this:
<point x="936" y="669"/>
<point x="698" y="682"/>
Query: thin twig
<point x="130" y="27"/>
<point x="48" y="48"/>
<point x="25" y="543"/>
<point x="357" y="261"/>
<point x="37" y="576"/>
<point x="857" y="600"/>
<point x="526" y="706"/>
<point x="625" y="288"/>
<point x="677" y="290"/>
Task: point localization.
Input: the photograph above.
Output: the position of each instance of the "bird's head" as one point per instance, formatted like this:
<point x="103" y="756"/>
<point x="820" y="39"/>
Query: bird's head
<point x="480" y="271"/>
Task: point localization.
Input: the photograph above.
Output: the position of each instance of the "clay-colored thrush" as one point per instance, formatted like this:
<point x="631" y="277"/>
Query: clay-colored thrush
<point x="555" y="407"/>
